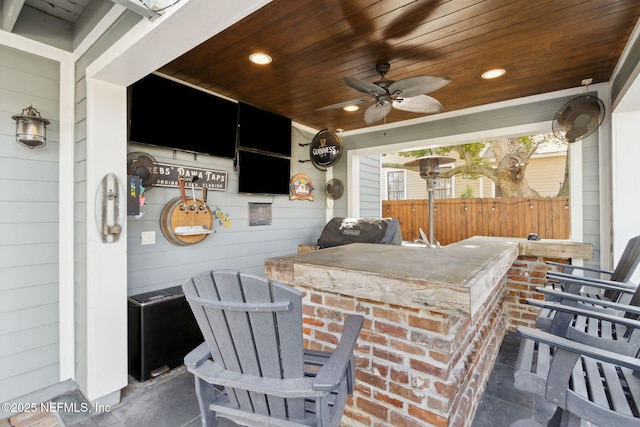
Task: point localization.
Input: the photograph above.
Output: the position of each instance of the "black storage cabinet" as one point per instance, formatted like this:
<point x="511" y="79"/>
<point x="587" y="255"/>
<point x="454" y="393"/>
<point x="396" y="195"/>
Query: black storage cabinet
<point x="162" y="330"/>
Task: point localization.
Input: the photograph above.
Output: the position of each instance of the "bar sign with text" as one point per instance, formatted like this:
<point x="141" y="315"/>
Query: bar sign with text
<point x="209" y="178"/>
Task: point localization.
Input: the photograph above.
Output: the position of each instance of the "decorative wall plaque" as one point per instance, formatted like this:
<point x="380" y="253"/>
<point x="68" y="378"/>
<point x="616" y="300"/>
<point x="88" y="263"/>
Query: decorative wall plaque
<point x="325" y="149"/>
<point x="206" y="178"/>
<point x="301" y="188"/>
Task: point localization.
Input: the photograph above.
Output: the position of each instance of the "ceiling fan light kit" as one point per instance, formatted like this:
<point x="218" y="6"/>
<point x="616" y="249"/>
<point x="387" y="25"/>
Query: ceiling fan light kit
<point x="407" y="94"/>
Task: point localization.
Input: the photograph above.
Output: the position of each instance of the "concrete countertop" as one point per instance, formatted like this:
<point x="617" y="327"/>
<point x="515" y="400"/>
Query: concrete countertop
<point x="455" y="279"/>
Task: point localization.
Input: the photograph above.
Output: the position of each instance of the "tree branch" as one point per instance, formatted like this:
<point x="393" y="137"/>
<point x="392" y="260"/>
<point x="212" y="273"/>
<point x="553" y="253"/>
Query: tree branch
<point x="487" y="171"/>
<point x="533" y="150"/>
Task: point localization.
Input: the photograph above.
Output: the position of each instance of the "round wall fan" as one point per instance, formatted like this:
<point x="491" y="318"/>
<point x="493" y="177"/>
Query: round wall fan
<point x="334" y="189"/>
<point x="578" y="118"/>
<point x="406" y="94"/>
<point x="144" y="166"/>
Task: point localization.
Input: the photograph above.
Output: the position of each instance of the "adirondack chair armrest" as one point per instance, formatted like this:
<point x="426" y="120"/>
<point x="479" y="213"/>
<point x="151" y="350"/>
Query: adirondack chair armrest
<point x="580" y="267"/>
<point x="579" y="348"/>
<point x="213" y="373"/>
<point x="197" y="356"/>
<point x="558" y="295"/>
<point x="590" y="281"/>
<point x="585" y="311"/>
<point x="330" y="374"/>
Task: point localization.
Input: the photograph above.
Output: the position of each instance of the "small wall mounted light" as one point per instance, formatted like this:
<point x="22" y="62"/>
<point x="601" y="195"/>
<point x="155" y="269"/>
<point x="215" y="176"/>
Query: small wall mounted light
<point x="31" y="128"/>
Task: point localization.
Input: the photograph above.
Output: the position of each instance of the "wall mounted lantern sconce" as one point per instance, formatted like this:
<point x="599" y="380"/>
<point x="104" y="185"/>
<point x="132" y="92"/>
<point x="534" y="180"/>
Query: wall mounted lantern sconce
<point x="31" y="128"/>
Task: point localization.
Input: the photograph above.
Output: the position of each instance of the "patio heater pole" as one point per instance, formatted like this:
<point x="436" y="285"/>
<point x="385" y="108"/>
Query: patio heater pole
<point x="429" y="171"/>
<point x="432" y="240"/>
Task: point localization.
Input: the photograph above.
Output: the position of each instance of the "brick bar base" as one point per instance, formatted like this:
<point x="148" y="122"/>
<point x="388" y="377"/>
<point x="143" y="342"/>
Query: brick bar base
<point x="526" y="274"/>
<point x="433" y="324"/>
<point x="411" y="363"/>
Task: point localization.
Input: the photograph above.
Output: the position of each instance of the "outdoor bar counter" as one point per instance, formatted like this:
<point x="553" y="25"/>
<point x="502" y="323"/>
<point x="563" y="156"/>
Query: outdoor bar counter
<point x="434" y="321"/>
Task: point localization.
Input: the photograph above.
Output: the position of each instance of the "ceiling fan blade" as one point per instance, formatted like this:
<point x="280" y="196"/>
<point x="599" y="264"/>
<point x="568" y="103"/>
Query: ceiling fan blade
<point x="414" y="86"/>
<point x="363" y="86"/>
<point x="418" y="104"/>
<point x="377" y="112"/>
<point x="344" y="104"/>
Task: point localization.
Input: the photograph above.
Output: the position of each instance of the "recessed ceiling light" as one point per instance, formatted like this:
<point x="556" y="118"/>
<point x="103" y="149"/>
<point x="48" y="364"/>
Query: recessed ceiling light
<point x="260" y="58"/>
<point x="351" y="108"/>
<point x="492" y="74"/>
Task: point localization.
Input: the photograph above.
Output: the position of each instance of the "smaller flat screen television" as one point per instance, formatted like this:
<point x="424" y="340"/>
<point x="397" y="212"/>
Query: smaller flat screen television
<point x="169" y="114"/>
<point x="260" y="173"/>
<point x="264" y="131"/>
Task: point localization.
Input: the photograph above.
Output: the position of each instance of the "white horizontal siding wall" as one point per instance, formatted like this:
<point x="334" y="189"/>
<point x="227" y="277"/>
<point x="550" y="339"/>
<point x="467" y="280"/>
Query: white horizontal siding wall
<point x="241" y="247"/>
<point x="29" y="335"/>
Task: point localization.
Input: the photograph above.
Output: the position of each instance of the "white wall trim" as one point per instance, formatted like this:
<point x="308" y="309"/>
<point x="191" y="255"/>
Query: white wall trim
<point x="34" y="47"/>
<point x="624" y="193"/>
<point x="329" y="204"/>
<point x="456" y="139"/>
<point x="605" y="151"/>
<point x="353" y="179"/>
<point x="146" y="47"/>
<point x="66" y="224"/>
<point x="575" y="195"/>
<point x="96" y="32"/>
<point x="629" y="96"/>
<point x="106" y="262"/>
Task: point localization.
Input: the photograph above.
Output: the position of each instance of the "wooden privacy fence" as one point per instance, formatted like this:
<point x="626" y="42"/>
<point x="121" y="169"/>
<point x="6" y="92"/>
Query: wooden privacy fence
<point x="458" y="219"/>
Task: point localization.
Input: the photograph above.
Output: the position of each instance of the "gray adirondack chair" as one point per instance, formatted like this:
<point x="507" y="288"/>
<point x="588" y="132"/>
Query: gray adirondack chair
<point x="584" y="382"/>
<point x="593" y="321"/>
<point x="252" y="368"/>
<point x="612" y="329"/>
<point x="616" y="288"/>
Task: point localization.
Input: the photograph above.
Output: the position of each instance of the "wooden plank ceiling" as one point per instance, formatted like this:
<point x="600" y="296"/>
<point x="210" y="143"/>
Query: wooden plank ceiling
<point x="544" y="46"/>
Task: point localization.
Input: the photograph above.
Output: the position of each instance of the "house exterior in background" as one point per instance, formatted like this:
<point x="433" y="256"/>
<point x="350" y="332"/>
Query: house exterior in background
<point x="545" y="174"/>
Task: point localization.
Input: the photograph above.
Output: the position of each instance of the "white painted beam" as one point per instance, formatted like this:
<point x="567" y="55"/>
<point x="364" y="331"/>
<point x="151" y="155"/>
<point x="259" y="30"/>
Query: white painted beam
<point x="10" y="12"/>
<point x="138" y="8"/>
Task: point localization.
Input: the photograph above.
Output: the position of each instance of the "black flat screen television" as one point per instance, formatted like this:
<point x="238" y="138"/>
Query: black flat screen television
<point x="260" y="173"/>
<point x="169" y="114"/>
<point x="264" y="131"/>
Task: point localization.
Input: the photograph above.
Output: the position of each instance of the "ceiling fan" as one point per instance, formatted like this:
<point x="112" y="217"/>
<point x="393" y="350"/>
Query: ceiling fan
<point x="407" y="94"/>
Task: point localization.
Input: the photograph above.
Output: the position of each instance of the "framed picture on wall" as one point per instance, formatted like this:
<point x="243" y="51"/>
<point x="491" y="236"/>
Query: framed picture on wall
<point x="259" y="214"/>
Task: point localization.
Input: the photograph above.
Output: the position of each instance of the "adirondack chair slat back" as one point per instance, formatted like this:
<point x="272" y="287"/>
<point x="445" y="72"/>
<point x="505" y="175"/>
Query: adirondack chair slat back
<point x="630" y="259"/>
<point x="626" y="267"/>
<point x="252" y="326"/>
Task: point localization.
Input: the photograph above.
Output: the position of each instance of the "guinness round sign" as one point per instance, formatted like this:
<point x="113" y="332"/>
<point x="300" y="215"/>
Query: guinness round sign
<point x="326" y="149"/>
